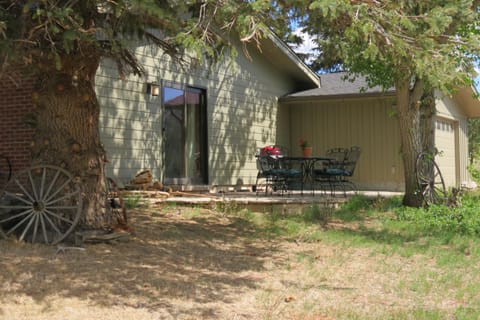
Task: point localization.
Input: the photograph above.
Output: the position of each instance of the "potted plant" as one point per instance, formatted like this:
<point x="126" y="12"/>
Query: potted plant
<point x="306" y="148"/>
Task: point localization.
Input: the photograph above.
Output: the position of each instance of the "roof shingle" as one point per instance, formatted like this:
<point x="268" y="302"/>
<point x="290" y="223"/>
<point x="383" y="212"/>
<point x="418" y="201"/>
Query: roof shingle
<point x="335" y="84"/>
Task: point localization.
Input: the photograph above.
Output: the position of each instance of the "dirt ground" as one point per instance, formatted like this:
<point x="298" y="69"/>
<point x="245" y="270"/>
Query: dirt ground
<point x="205" y="266"/>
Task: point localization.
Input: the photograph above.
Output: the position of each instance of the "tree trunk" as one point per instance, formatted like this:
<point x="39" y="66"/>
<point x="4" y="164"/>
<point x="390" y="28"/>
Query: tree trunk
<point x="408" y="104"/>
<point x="427" y="120"/>
<point x="67" y="135"/>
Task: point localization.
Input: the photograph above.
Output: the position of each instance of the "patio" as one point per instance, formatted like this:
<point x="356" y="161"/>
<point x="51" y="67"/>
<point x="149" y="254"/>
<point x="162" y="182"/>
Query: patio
<point x="249" y="199"/>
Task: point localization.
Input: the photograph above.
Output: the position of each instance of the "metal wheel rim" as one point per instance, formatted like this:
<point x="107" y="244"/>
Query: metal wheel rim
<point x="41" y="203"/>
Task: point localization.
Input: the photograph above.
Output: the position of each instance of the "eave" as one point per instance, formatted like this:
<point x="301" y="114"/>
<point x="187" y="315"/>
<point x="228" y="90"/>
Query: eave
<point x="468" y="100"/>
<point x="285" y="59"/>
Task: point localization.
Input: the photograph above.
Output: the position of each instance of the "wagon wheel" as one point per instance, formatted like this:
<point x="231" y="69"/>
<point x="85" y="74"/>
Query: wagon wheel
<point x="40" y="204"/>
<point x="430" y="180"/>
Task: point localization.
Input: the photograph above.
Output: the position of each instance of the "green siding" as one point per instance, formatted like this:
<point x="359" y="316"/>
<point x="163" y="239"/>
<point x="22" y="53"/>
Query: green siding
<point x="243" y="114"/>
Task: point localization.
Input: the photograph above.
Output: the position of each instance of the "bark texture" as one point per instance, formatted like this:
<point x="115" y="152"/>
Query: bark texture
<point x="427" y="120"/>
<point x="67" y="135"/>
<point x="409" y="116"/>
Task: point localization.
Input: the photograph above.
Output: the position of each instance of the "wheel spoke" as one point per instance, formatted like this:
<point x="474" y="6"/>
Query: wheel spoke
<point x="14" y="196"/>
<point x="33" y="220"/>
<point x="426" y="192"/>
<point x="44" y="229"/>
<point x="52" y="183"/>
<point x="34" y="187"/>
<point x="54" y="226"/>
<point x="421" y="176"/>
<point x="17" y="215"/>
<point x="58" y="216"/>
<point x="21" y="222"/>
<point x="58" y="190"/>
<point x="35" y="228"/>
<point x="14" y="207"/>
<point x="440" y="194"/>
<point x="73" y="207"/>
<point x="437" y="198"/>
<point x="67" y="196"/>
<point x="42" y="183"/>
<point x="29" y="224"/>
<point x="32" y="199"/>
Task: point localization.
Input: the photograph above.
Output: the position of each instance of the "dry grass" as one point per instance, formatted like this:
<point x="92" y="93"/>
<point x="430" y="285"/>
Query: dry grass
<point x="199" y="264"/>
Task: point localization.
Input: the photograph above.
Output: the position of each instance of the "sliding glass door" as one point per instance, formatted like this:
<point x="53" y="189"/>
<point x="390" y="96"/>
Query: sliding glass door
<point x="185" y="135"/>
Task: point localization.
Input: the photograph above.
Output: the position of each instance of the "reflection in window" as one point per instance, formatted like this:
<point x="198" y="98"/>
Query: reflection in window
<point x="185" y="133"/>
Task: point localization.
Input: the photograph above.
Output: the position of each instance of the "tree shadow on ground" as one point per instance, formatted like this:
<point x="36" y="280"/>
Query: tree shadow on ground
<point x="171" y="259"/>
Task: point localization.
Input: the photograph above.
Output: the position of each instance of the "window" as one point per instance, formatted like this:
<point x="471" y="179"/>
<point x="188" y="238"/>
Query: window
<point x="184" y="134"/>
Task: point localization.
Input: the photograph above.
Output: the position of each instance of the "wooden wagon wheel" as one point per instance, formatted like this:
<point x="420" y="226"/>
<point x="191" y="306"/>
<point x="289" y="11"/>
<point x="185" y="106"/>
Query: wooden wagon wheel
<point x="40" y="204"/>
<point x="430" y="180"/>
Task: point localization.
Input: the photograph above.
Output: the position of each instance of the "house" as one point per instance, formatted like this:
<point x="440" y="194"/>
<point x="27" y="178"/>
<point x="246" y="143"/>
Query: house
<point x="343" y="113"/>
<point x="199" y="124"/>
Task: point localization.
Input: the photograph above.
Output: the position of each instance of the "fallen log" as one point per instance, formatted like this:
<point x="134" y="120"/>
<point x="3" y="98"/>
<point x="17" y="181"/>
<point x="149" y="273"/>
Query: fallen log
<point x="190" y="194"/>
<point x="100" y="236"/>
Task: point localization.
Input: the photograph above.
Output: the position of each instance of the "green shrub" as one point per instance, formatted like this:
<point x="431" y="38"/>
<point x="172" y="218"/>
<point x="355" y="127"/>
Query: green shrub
<point x="474" y="172"/>
<point x="359" y="205"/>
<point x="463" y="219"/>
<point x="316" y="214"/>
<point x="133" y="201"/>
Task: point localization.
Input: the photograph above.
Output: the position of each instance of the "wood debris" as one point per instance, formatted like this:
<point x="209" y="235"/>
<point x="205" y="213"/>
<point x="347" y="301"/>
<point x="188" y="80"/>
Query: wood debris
<point x="101" y="236"/>
<point x="142" y="178"/>
<point x="62" y="249"/>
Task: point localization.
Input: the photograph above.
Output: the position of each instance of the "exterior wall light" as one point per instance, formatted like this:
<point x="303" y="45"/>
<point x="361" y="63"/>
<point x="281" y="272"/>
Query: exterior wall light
<point x="153" y="89"/>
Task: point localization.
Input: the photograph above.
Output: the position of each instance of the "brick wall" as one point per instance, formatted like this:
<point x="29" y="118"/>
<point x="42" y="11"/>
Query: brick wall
<point x="15" y="135"/>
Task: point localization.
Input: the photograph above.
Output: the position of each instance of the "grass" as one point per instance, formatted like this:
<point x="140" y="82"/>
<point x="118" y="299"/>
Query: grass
<point x="370" y="259"/>
<point x="133" y="201"/>
<point x="447" y="239"/>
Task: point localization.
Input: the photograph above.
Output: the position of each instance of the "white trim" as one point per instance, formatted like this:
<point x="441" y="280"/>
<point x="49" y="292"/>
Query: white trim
<point x="294" y="57"/>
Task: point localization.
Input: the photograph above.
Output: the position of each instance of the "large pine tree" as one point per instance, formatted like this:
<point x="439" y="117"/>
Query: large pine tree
<point x="60" y="44"/>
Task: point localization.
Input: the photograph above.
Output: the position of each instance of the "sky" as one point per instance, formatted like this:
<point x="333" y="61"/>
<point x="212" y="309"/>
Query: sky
<point x="308" y="46"/>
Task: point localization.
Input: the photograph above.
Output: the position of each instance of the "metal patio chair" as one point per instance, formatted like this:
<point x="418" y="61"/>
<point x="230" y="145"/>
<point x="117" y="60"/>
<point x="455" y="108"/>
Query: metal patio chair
<point x="349" y="169"/>
<point x="335" y="174"/>
<point x="291" y="173"/>
<point x="266" y="158"/>
<point x="324" y="172"/>
<point x="277" y="171"/>
<point x="265" y="173"/>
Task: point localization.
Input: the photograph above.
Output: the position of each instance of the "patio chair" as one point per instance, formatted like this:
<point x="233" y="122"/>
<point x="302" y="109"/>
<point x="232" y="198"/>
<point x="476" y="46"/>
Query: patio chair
<point x="323" y="172"/>
<point x="277" y="171"/>
<point x="291" y="173"/>
<point x="338" y="154"/>
<point x="349" y="169"/>
<point x="266" y="158"/>
<point x="265" y="172"/>
<point x="336" y="173"/>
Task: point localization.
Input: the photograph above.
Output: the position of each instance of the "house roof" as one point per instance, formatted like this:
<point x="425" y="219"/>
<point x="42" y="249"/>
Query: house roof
<point x="334" y="85"/>
<point x="285" y="59"/>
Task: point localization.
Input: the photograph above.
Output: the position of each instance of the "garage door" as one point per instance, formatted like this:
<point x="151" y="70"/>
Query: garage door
<point x="445" y="143"/>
